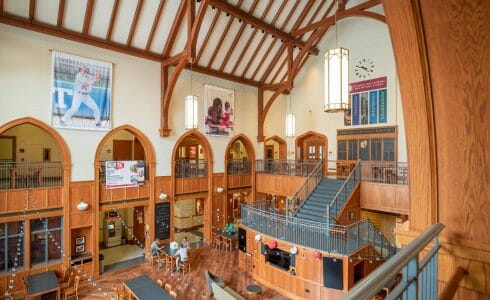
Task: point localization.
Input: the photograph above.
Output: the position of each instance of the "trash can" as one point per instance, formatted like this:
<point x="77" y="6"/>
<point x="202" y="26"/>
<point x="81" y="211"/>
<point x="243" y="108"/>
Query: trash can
<point x="101" y="263"/>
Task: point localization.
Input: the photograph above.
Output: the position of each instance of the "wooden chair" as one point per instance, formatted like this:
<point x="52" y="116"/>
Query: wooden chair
<point x="173" y="294"/>
<point x="167" y="287"/>
<point x="227" y="244"/>
<point x="170" y="262"/>
<point x="120" y="293"/>
<point x="185" y="266"/>
<point x="218" y="241"/>
<point x="162" y="259"/>
<point x="64" y="271"/>
<point x="72" y="290"/>
<point x="160" y="283"/>
<point x="66" y="284"/>
<point x="153" y="259"/>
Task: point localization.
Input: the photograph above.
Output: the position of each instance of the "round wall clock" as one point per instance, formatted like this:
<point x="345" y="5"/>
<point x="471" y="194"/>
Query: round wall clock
<point x="364" y="68"/>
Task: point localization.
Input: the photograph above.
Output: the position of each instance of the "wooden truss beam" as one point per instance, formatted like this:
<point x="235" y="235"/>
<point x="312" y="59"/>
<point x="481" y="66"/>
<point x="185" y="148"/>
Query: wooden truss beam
<point x="32" y="9"/>
<point x="134" y="23"/>
<point x="156" y="21"/>
<point x="61" y="13"/>
<point x="250" y="19"/>
<point x="112" y="20"/>
<point x="174" y="29"/>
<point x="88" y="16"/>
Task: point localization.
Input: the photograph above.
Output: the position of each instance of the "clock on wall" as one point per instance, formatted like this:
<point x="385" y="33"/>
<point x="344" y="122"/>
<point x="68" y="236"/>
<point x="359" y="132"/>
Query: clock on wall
<point x="364" y="68"/>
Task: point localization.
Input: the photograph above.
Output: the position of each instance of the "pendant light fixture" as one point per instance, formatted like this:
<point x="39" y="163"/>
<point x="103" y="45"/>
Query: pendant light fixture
<point x="336" y="76"/>
<point x="290" y="120"/>
<point x="191" y="107"/>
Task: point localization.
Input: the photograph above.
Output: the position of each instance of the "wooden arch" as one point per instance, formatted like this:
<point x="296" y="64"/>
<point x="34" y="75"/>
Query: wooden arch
<point x="65" y="152"/>
<point x="246" y="142"/>
<point x="282" y="146"/>
<point x="299" y="142"/>
<point x="208" y="152"/>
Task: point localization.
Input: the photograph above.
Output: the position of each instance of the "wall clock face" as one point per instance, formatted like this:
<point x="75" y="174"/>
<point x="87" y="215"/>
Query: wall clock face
<point x="364" y="68"/>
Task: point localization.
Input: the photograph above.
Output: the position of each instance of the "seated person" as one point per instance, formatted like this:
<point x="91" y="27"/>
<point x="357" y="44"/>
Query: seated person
<point x="185" y="242"/>
<point x="155" y="246"/>
<point x="230" y="228"/>
<point x="181" y="256"/>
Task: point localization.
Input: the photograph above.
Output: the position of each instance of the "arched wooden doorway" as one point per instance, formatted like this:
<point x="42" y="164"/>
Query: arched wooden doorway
<point x="125" y="143"/>
<point x="239" y="175"/>
<point x="275" y="148"/>
<point x="192" y="183"/>
<point x="312" y="146"/>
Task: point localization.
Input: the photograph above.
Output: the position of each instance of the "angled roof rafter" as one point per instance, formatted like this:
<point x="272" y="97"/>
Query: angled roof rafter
<point x="154" y="26"/>
<point x="115" y="9"/>
<point x="169" y="43"/>
<point x="88" y="16"/>
<point x="61" y="13"/>
<point x="136" y="17"/>
<point x="32" y="9"/>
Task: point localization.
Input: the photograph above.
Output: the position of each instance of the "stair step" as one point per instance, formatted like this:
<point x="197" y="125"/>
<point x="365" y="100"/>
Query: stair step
<point x="311" y="218"/>
<point x="313" y="212"/>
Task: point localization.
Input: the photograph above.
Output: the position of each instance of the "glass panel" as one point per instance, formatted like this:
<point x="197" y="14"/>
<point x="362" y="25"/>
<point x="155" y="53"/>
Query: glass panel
<point x="376" y="149"/>
<point x="364" y="149"/>
<point x="14" y="227"/>
<point x="342" y="150"/>
<point x="321" y="151"/>
<point x="389" y="149"/>
<point x="2" y="255"/>
<point x="311" y="152"/>
<point x="15" y="244"/>
<point x="54" y="222"/>
<point x="37" y="225"/>
<point x="38" y="247"/>
<point x="352" y="149"/>
<point x="2" y="230"/>
<point x="54" y="253"/>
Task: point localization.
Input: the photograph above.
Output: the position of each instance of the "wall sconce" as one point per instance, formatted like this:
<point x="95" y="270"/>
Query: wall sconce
<point x="318" y="255"/>
<point x="147" y="231"/>
<point x="294" y="250"/>
<point x="219" y="189"/>
<point x="162" y="196"/>
<point x="82" y="205"/>
<point x="258" y="238"/>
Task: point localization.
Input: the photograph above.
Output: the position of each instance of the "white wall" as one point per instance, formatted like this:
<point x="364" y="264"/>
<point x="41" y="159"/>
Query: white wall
<point x="365" y="38"/>
<point x="25" y="78"/>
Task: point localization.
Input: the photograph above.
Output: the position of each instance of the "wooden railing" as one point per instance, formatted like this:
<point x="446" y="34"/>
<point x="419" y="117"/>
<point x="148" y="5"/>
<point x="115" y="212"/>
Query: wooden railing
<point x="285" y="167"/>
<point x="26" y="175"/>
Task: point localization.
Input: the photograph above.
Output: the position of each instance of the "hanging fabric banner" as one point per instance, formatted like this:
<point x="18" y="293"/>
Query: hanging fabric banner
<point x="373" y="107"/>
<point x="382" y="106"/>
<point x="355" y="109"/>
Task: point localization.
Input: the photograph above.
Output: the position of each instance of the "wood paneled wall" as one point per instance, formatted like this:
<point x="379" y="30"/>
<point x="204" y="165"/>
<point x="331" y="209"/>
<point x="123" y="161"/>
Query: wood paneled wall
<point x="385" y="197"/>
<point x="352" y="209"/>
<point x="12" y="201"/>
<point x="239" y="180"/>
<point x="110" y="195"/>
<point x="278" y="184"/>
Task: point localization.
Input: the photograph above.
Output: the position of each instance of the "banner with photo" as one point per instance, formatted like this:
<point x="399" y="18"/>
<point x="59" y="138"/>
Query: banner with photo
<point x="80" y="92"/>
<point x="126" y="173"/>
<point x="368" y="102"/>
<point x="219" y="107"/>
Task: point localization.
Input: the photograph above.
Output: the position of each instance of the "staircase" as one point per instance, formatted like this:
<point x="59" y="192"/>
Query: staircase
<point x="314" y="208"/>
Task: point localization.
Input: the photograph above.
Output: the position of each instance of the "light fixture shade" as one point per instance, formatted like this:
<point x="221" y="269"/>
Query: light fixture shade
<point x="290" y="125"/>
<point x="337" y="80"/>
<point x="190" y="112"/>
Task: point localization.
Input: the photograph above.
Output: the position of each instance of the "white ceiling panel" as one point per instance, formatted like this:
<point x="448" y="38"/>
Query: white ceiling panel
<point x="275" y="67"/>
<point x="205" y="25"/>
<point x="267" y="61"/>
<point x="47" y="11"/>
<point x="297" y="12"/>
<point x="145" y="22"/>
<point x="161" y="34"/>
<point x="101" y="18"/>
<point x="226" y="44"/>
<point x="259" y="9"/>
<point x="258" y="57"/>
<point x="213" y="38"/>
<point x="241" y="44"/>
<point x="377" y="9"/>
<point x="274" y="8"/>
<point x="245" y="58"/>
<point x="281" y="76"/>
<point x="17" y="7"/>
<point x="180" y="38"/>
<point x="285" y="13"/>
<point x="123" y="21"/>
<point x="74" y="14"/>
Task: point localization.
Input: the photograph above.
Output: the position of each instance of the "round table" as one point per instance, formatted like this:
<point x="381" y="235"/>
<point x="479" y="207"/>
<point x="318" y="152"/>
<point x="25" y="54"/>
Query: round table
<point x="254" y="289"/>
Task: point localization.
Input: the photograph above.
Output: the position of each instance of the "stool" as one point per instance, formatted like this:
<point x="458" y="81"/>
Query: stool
<point x="254" y="290"/>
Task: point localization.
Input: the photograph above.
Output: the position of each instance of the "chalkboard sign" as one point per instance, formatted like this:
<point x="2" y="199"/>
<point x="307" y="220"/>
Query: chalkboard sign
<point x="162" y="220"/>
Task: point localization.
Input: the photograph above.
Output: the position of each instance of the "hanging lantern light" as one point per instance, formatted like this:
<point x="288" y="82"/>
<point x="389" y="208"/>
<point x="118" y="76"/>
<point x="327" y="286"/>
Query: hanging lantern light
<point x="290" y="121"/>
<point x="336" y="77"/>
<point x="191" y="108"/>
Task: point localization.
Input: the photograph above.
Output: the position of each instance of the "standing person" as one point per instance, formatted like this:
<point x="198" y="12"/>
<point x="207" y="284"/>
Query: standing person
<point x="214" y="116"/>
<point x="226" y="122"/>
<point x="181" y="256"/>
<point x="81" y="94"/>
<point x="155" y="246"/>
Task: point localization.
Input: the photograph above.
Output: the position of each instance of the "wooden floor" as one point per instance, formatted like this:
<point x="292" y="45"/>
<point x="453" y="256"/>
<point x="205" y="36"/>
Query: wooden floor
<point x="192" y="286"/>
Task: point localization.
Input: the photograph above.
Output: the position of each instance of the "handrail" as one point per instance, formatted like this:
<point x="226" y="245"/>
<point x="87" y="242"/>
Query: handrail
<point x="317" y="174"/>
<point x="343" y="187"/>
<point x="406" y="260"/>
<point x="290" y="167"/>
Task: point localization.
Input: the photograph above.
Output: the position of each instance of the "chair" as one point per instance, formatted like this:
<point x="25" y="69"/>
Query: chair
<point x="185" y="266"/>
<point x="64" y="271"/>
<point x="66" y="284"/>
<point x="218" y="241"/>
<point x="167" y="287"/>
<point x="160" y="283"/>
<point x="72" y="290"/>
<point x="162" y="259"/>
<point x="153" y="259"/>
<point x="170" y="262"/>
<point x="173" y="294"/>
<point x="227" y="244"/>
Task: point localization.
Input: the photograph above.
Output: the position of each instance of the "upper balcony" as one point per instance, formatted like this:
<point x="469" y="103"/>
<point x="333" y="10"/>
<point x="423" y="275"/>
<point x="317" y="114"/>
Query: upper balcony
<point x="28" y="175"/>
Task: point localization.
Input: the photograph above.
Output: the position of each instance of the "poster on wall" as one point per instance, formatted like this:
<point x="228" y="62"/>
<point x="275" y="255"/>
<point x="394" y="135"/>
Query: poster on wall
<point x="219" y="107"/>
<point x="368" y="102"/>
<point x="126" y="173"/>
<point x="80" y="92"/>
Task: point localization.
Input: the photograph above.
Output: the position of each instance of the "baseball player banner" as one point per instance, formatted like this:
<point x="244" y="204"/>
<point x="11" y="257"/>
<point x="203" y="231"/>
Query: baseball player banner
<point x="80" y="92"/>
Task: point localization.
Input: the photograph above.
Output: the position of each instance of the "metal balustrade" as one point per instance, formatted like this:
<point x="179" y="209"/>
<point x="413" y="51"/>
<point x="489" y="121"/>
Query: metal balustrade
<point x="385" y="172"/>
<point x="407" y="275"/>
<point x="187" y="168"/>
<point x="26" y="175"/>
<point x="337" y="239"/>
<point x="289" y="167"/>
<point x="238" y="166"/>
<point x="293" y="204"/>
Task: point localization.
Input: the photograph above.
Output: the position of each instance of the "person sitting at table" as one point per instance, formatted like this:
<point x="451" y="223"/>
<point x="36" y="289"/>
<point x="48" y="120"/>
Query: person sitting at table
<point x="185" y="242"/>
<point x="230" y="228"/>
<point x="181" y="256"/>
<point x="155" y="246"/>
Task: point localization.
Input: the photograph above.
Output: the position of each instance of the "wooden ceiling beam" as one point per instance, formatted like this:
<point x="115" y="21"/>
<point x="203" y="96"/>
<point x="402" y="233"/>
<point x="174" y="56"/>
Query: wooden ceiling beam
<point x="88" y="16"/>
<point x="237" y="38"/>
<point x="61" y="13"/>
<point x="206" y="39"/>
<point x="75" y="36"/>
<point x="115" y="9"/>
<point x="252" y="35"/>
<point x="167" y="95"/>
<point x="32" y="9"/>
<point x="195" y="28"/>
<point x="250" y="19"/>
<point x="340" y="15"/>
<point x="154" y="26"/>
<point x="224" y="75"/>
<point x="136" y="17"/>
<point x="169" y="43"/>
<point x="1" y="7"/>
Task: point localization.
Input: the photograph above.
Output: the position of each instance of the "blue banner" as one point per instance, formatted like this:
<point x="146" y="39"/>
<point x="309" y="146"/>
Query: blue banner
<point x="373" y="107"/>
<point x="355" y="109"/>
<point x="382" y="105"/>
<point x="364" y="108"/>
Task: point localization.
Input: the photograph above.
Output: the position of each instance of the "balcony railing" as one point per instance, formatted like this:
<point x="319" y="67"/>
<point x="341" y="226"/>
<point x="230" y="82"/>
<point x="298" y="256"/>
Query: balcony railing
<point x="331" y="238"/>
<point x="405" y="276"/>
<point x="305" y="190"/>
<point x="238" y="166"/>
<point x="385" y="172"/>
<point x="26" y="175"/>
<point x="187" y="168"/>
<point x="285" y="167"/>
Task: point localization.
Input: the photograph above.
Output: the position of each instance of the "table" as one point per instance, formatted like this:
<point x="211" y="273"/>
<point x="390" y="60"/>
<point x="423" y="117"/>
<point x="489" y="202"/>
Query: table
<point x="254" y="289"/>
<point x="232" y="237"/>
<point x="42" y="284"/>
<point x="143" y="288"/>
<point x="170" y="253"/>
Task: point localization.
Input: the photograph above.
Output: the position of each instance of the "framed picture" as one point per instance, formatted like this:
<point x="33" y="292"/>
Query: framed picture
<point x="80" y="248"/>
<point x="219" y="107"/>
<point x="81" y="96"/>
<point x="80" y="240"/>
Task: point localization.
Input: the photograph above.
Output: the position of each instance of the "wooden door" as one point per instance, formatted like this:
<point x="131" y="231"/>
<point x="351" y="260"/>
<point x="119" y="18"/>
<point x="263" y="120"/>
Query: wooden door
<point x="313" y="151"/>
<point x="269" y="152"/>
<point x="139" y="223"/>
<point x="122" y="150"/>
<point x="139" y="151"/>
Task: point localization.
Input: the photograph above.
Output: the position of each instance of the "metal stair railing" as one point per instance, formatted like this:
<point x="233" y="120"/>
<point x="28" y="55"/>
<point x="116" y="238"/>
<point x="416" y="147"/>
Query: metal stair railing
<point x="344" y="192"/>
<point x="295" y="203"/>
